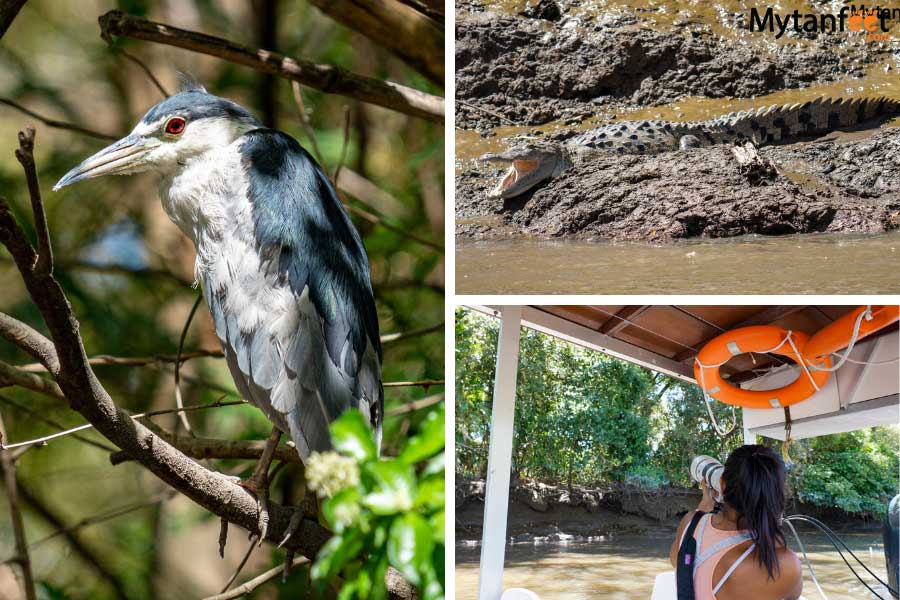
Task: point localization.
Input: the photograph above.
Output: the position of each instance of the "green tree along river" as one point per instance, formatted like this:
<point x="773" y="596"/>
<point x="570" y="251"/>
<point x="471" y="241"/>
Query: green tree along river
<point x="584" y="418"/>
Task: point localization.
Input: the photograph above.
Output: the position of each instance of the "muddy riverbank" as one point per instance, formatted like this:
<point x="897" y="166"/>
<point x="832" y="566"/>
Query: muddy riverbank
<point x="841" y="184"/>
<point x="542" y="513"/>
<point x="531" y="71"/>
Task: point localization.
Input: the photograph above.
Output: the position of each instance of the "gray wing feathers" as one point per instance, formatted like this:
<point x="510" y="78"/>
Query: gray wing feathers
<point x="294" y="381"/>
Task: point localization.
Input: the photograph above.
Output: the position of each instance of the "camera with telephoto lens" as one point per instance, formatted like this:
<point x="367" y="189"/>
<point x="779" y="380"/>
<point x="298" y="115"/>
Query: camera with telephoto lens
<point x="708" y="470"/>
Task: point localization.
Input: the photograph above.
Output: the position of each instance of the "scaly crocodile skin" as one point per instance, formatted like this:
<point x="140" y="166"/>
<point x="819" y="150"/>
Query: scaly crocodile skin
<point x="762" y="126"/>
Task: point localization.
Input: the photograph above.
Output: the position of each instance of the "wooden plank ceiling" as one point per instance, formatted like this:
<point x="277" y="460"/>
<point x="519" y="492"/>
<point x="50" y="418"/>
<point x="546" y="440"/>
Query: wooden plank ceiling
<point x="679" y="332"/>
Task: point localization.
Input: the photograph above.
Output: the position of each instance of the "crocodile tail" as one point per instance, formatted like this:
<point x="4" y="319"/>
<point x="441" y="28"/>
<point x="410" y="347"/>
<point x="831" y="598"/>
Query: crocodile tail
<point x="822" y="115"/>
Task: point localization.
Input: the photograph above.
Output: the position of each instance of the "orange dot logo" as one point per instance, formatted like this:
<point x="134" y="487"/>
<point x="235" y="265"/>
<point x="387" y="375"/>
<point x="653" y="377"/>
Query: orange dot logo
<point x="859" y="22"/>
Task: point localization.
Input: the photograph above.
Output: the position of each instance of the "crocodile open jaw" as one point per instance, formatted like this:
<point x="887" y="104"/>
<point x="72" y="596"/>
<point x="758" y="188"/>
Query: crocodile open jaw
<point x="517" y="169"/>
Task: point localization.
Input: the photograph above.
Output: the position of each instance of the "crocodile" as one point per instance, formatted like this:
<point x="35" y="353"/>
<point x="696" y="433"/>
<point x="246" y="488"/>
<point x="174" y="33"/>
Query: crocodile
<point x="533" y="162"/>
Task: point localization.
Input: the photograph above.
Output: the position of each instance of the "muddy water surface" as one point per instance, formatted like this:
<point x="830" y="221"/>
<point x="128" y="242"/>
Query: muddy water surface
<point x="624" y="566"/>
<point x="808" y="264"/>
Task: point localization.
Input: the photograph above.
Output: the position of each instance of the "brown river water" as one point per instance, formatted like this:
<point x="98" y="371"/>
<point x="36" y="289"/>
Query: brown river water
<point x="799" y="264"/>
<point x="624" y="566"/>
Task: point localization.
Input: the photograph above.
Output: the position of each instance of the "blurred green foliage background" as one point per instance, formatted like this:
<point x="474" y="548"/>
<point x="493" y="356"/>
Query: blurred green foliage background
<point x="584" y="418"/>
<point x="128" y="271"/>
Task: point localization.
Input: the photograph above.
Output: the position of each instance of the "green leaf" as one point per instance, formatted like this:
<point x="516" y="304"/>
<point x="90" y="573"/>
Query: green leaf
<point x="351" y="435"/>
<point x="432" y="589"/>
<point x="394" y="487"/>
<point x="409" y="546"/>
<point x="428" y="442"/>
<point x="437" y="523"/>
<point x="364" y="583"/>
<point x="349" y="590"/>
<point x="435" y="466"/>
<point x="431" y="492"/>
<point x="336" y="552"/>
<point x="343" y="509"/>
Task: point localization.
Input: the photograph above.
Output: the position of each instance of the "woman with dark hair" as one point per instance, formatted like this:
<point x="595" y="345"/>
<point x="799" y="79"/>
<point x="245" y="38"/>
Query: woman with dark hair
<point x="740" y="551"/>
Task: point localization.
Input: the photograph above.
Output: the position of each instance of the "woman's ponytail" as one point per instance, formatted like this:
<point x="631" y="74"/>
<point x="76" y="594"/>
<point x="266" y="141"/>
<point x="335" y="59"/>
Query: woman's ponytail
<point x="755" y="488"/>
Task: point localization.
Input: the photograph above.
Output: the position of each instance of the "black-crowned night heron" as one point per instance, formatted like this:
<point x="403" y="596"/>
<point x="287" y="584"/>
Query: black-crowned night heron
<point x="281" y="266"/>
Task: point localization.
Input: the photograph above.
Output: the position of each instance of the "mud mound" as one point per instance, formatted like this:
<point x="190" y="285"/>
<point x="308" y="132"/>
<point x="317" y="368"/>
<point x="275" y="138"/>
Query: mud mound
<point x="540" y="512"/>
<point x="825" y="186"/>
<point x="534" y="71"/>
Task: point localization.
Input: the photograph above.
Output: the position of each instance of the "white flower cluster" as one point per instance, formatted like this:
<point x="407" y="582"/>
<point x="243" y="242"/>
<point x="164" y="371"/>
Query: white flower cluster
<point x="329" y="472"/>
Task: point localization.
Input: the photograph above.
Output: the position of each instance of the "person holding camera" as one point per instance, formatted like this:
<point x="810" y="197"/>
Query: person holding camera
<point x="739" y="552"/>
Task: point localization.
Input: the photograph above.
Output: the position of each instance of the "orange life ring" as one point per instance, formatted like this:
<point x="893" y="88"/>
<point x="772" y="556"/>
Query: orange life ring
<point x="758" y="338"/>
<point x="836" y="336"/>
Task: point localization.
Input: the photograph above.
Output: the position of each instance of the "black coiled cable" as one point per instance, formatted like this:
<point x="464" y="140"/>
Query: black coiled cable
<point x="835" y="540"/>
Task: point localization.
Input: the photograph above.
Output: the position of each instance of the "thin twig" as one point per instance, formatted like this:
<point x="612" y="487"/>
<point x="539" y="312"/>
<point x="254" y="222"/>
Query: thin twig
<point x="178" y="400"/>
<point x="134" y="361"/>
<point x="142" y="361"/>
<point x="415" y="405"/>
<point x="223" y="537"/>
<point x="25" y="155"/>
<point x="36" y="415"/>
<point x="44" y="439"/>
<point x="405" y="335"/>
<point x="253" y="539"/>
<point x="426" y="383"/>
<point x="88" y="555"/>
<point x="328" y="78"/>
<point x="57" y="124"/>
<point x="248" y="586"/>
<point x="146" y="70"/>
<point x="345" y="145"/>
<point x="486" y="111"/>
<point x="10" y="375"/>
<point x="8" y="465"/>
<point x="206" y="448"/>
<point x="304" y="120"/>
<point x="395" y="228"/>
<point x="107" y="516"/>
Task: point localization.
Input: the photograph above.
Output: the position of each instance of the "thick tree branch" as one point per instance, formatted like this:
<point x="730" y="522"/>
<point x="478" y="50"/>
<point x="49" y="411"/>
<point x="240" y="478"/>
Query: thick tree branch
<point x="405" y="31"/>
<point x="327" y="78"/>
<point x="8" y="466"/>
<point x="202" y="448"/>
<point x="10" y="375"/>
<point x="29" y="340"/>
<point x="429" y="8"/>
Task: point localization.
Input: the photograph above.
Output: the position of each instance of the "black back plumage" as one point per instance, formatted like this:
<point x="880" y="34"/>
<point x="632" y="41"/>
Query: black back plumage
<point x="298" y="216"/>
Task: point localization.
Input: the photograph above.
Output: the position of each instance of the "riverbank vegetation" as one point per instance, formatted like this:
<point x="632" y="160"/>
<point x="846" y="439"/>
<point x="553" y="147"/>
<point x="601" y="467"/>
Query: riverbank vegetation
<point x="584" y="418"/>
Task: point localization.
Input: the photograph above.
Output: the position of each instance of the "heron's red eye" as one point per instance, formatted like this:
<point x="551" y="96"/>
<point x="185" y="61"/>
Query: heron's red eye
<point x="175" y="126"/>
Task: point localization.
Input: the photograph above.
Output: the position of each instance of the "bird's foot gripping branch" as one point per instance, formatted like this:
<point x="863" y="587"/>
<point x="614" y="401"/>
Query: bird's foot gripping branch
<point x="64" y="358"/>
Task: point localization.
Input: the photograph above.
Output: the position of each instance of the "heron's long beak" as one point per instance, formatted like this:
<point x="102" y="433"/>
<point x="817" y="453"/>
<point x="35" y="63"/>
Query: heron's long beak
<point x="116" y="159"/>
